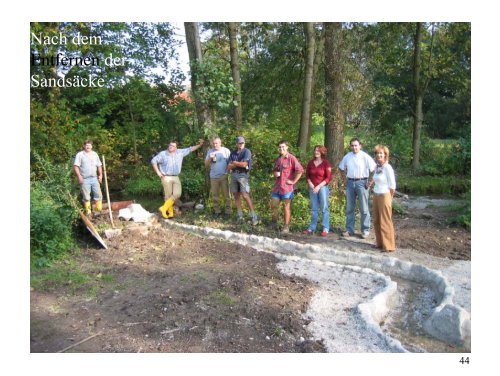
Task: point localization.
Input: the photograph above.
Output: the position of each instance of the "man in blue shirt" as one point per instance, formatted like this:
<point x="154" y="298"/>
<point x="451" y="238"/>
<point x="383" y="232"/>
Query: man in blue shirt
<point x="239" y="165"/>
<point x="167" y="165"/>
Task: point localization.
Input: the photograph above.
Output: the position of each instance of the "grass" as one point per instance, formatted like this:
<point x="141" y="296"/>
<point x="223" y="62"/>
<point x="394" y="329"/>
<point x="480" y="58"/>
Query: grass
<point x="278" y="331"/>
<point x="222" y="298"/>
<point x="59" y="276"/>
<point x="67" y="274"/>
<point x="197" y="276"/>
<point x="433" y="185"/>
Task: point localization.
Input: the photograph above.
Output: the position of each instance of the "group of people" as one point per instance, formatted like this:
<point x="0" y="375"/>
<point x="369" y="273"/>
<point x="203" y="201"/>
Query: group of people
<point x="360" y="173"/>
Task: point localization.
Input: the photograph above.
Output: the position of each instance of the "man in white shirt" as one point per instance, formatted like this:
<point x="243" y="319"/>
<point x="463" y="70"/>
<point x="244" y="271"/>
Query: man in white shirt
<point x="357" y="168"/>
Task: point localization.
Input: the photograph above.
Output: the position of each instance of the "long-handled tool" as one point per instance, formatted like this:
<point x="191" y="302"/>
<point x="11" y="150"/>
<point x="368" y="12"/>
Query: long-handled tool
<point x="107" y="191"/>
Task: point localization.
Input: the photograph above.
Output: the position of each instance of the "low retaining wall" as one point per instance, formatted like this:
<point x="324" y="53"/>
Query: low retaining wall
<point x="448" y="322"/>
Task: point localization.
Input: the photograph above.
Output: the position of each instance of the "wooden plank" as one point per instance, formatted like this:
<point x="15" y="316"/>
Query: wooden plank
<point x="92" y="229"/>
<point x="117" y="205"/>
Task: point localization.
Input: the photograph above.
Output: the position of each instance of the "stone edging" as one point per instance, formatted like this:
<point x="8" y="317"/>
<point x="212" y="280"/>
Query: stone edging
<point x="448" y="322"/>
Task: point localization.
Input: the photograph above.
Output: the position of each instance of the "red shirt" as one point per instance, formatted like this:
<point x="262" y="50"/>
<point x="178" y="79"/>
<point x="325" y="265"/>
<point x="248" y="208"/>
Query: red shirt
<point x="289" y="166"/>
<point x="317" y="174"/>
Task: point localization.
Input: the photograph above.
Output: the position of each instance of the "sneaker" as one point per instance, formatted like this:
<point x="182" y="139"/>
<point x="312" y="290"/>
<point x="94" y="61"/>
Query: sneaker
<point x="324" y="233"/>
<point x="346" y="234"/>
<point x="255" y="221"/>
<point x="285" y="230"/>
<point x="307" y="232"/>
<point x="365" y="235"/>
<point x="239" y="219"/>
<point x="274" y="225"/>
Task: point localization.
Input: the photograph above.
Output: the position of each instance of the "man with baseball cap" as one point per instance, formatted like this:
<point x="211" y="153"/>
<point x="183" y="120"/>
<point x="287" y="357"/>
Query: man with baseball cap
<point x="240" y="161"/>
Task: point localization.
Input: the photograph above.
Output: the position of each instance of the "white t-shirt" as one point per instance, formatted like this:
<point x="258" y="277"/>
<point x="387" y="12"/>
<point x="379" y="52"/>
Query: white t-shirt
<point x="88" y="163"/>
<point x="384" y="179"/>
<point x="358" y="165"/>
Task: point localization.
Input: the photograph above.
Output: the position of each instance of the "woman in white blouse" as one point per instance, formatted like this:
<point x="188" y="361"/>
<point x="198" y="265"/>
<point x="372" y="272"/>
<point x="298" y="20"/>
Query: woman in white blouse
<point x="385" y="187"/>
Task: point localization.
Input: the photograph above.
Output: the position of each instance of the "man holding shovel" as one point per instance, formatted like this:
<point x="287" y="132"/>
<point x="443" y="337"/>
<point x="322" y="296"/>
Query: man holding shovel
<point x="167" y="165"/>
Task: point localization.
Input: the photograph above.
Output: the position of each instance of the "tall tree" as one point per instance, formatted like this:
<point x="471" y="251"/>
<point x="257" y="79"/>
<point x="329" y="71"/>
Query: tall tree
<point x="419" y="87"/>
<point x="334" y="113"/>
<point x="235" y="70"/>
<point x="305" y="117"/>
<point x="318" y="60"/>
<point x="195" y="60"/>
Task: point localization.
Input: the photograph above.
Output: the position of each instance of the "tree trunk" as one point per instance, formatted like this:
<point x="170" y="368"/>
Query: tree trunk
<point x="318" y="57"/>
<point x="132" y="121"/>
<point x="418" y="92"/>
<point x="334" y="114"/>
<point x="202" y="111"/>
<point x="195" y="58"/>
<point x="305" y="117"/>
<point x="235" y="70"/>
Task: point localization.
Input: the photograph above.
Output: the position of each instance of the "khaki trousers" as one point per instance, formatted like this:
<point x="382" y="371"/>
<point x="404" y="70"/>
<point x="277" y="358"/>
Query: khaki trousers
<point x="382" y="221"/>
<point x="172" y="187"/>
<point x="218" y="186"/>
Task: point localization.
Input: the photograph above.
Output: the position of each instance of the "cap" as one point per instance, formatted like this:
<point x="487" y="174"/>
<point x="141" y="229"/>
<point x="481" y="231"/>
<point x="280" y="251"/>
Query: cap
<point x="240" y="140"/>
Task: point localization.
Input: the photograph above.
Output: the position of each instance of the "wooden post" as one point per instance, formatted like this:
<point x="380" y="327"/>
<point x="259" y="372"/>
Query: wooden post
<point x="107" y="191"/>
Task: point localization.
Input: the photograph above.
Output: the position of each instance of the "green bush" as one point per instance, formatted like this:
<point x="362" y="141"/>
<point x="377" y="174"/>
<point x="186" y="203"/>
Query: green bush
<point x="51" y="226"/>
<point x="52" y="210"/>
<point x="464" y="212"/>
<point x="433" y="185"/>
<point x="143" y="182"/>
<point x="193" y="184"/>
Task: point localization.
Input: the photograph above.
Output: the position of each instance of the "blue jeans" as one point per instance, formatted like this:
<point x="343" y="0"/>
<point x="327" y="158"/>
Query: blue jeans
<point x="319" y="201"/>
<point x="357" y="189"/>
<point x="91" y="185"/>
<point x="285" y="196"/>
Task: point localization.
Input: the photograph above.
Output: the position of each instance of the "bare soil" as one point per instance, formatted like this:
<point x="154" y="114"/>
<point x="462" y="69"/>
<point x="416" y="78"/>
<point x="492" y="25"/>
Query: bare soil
<point x="158" y="290"/>
<point x="165" y="291"/>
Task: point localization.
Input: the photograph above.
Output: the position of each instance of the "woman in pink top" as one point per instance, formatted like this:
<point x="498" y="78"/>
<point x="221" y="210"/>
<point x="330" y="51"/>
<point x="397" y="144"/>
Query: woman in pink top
<point x="318" y="175"/>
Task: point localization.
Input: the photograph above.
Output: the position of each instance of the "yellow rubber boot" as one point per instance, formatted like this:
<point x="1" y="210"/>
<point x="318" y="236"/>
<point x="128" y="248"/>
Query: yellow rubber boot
<point x="86" y="207"/>
<point x="170" y="212"/>
<point x="98" y="205"/>
<point x="167" y="205"/>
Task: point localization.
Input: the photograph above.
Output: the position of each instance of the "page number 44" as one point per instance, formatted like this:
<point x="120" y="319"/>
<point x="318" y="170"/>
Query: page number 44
<point x="464" y="360"/>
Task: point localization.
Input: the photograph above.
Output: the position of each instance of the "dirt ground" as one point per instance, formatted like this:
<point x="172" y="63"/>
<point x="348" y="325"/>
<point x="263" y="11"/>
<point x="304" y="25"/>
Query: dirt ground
<point x="167" y="291"/>
<point x="158" y="290"/>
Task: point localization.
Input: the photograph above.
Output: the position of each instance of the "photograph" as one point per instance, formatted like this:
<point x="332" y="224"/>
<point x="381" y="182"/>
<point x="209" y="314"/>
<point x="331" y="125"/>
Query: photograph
<point x="278" y="193"/>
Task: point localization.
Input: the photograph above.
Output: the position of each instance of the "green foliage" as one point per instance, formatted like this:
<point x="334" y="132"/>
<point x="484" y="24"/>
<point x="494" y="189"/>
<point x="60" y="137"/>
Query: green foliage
<point x="193" y="184"/>
<point x="439" y="158"/>
<point x="67" y="273"/>
<point x="143" y="182"/>
<point x="52" y="211"/>
<point x="461" y="155"/>
<point x="438" y="185"/>
<point x="217" y="88"/>
<point x="398" y="208"/>
<point x="464" y="217"/>
<point x="388" y="53"/>
<point x="51" y="226"/>
<point x="222" y="298"/>
<point x="57" y="276"/>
